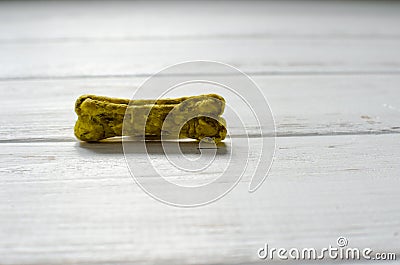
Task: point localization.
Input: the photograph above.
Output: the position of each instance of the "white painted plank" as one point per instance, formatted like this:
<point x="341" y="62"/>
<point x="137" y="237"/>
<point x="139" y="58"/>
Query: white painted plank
<point x="257" y="56"/>
<point x="301" y="105"/>
<point x="72" y="203"/>
<point x="90" y="20"/>
<point x="131" y="38"/>
<point x="65" y="202"/>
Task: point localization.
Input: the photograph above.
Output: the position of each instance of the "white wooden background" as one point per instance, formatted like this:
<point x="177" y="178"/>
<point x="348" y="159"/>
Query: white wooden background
<point x="330" y="70"/>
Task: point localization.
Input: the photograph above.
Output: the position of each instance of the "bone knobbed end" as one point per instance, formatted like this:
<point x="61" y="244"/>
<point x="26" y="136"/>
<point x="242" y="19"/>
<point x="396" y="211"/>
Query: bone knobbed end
<point x="102" y="117"/>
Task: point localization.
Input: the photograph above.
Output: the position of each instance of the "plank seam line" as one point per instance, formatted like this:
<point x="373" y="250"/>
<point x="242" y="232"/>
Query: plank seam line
<point x="279" y="135"/>
<point x="256" y="36"/>
<point x="250" y="73"/>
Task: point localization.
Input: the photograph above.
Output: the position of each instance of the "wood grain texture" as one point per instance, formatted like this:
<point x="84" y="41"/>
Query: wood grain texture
<point x="254" y="56"/>
<point x="301" y="105"/>
<point x="130" y="39"/>
<point x="329" y="69"/>
<point x="77" y="204"/>
<point x="120" y="20"/>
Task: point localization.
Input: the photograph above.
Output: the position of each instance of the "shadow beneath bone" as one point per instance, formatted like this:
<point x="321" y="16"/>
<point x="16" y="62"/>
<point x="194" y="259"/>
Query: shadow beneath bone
<point x="114" y="146"/>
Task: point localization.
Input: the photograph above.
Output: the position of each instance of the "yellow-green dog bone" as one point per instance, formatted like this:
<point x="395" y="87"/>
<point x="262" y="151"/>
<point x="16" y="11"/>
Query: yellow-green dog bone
<point x="102" y="117"/>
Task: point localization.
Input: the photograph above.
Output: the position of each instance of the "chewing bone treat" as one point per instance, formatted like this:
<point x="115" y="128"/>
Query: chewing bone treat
<point x="197" y="117"/>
